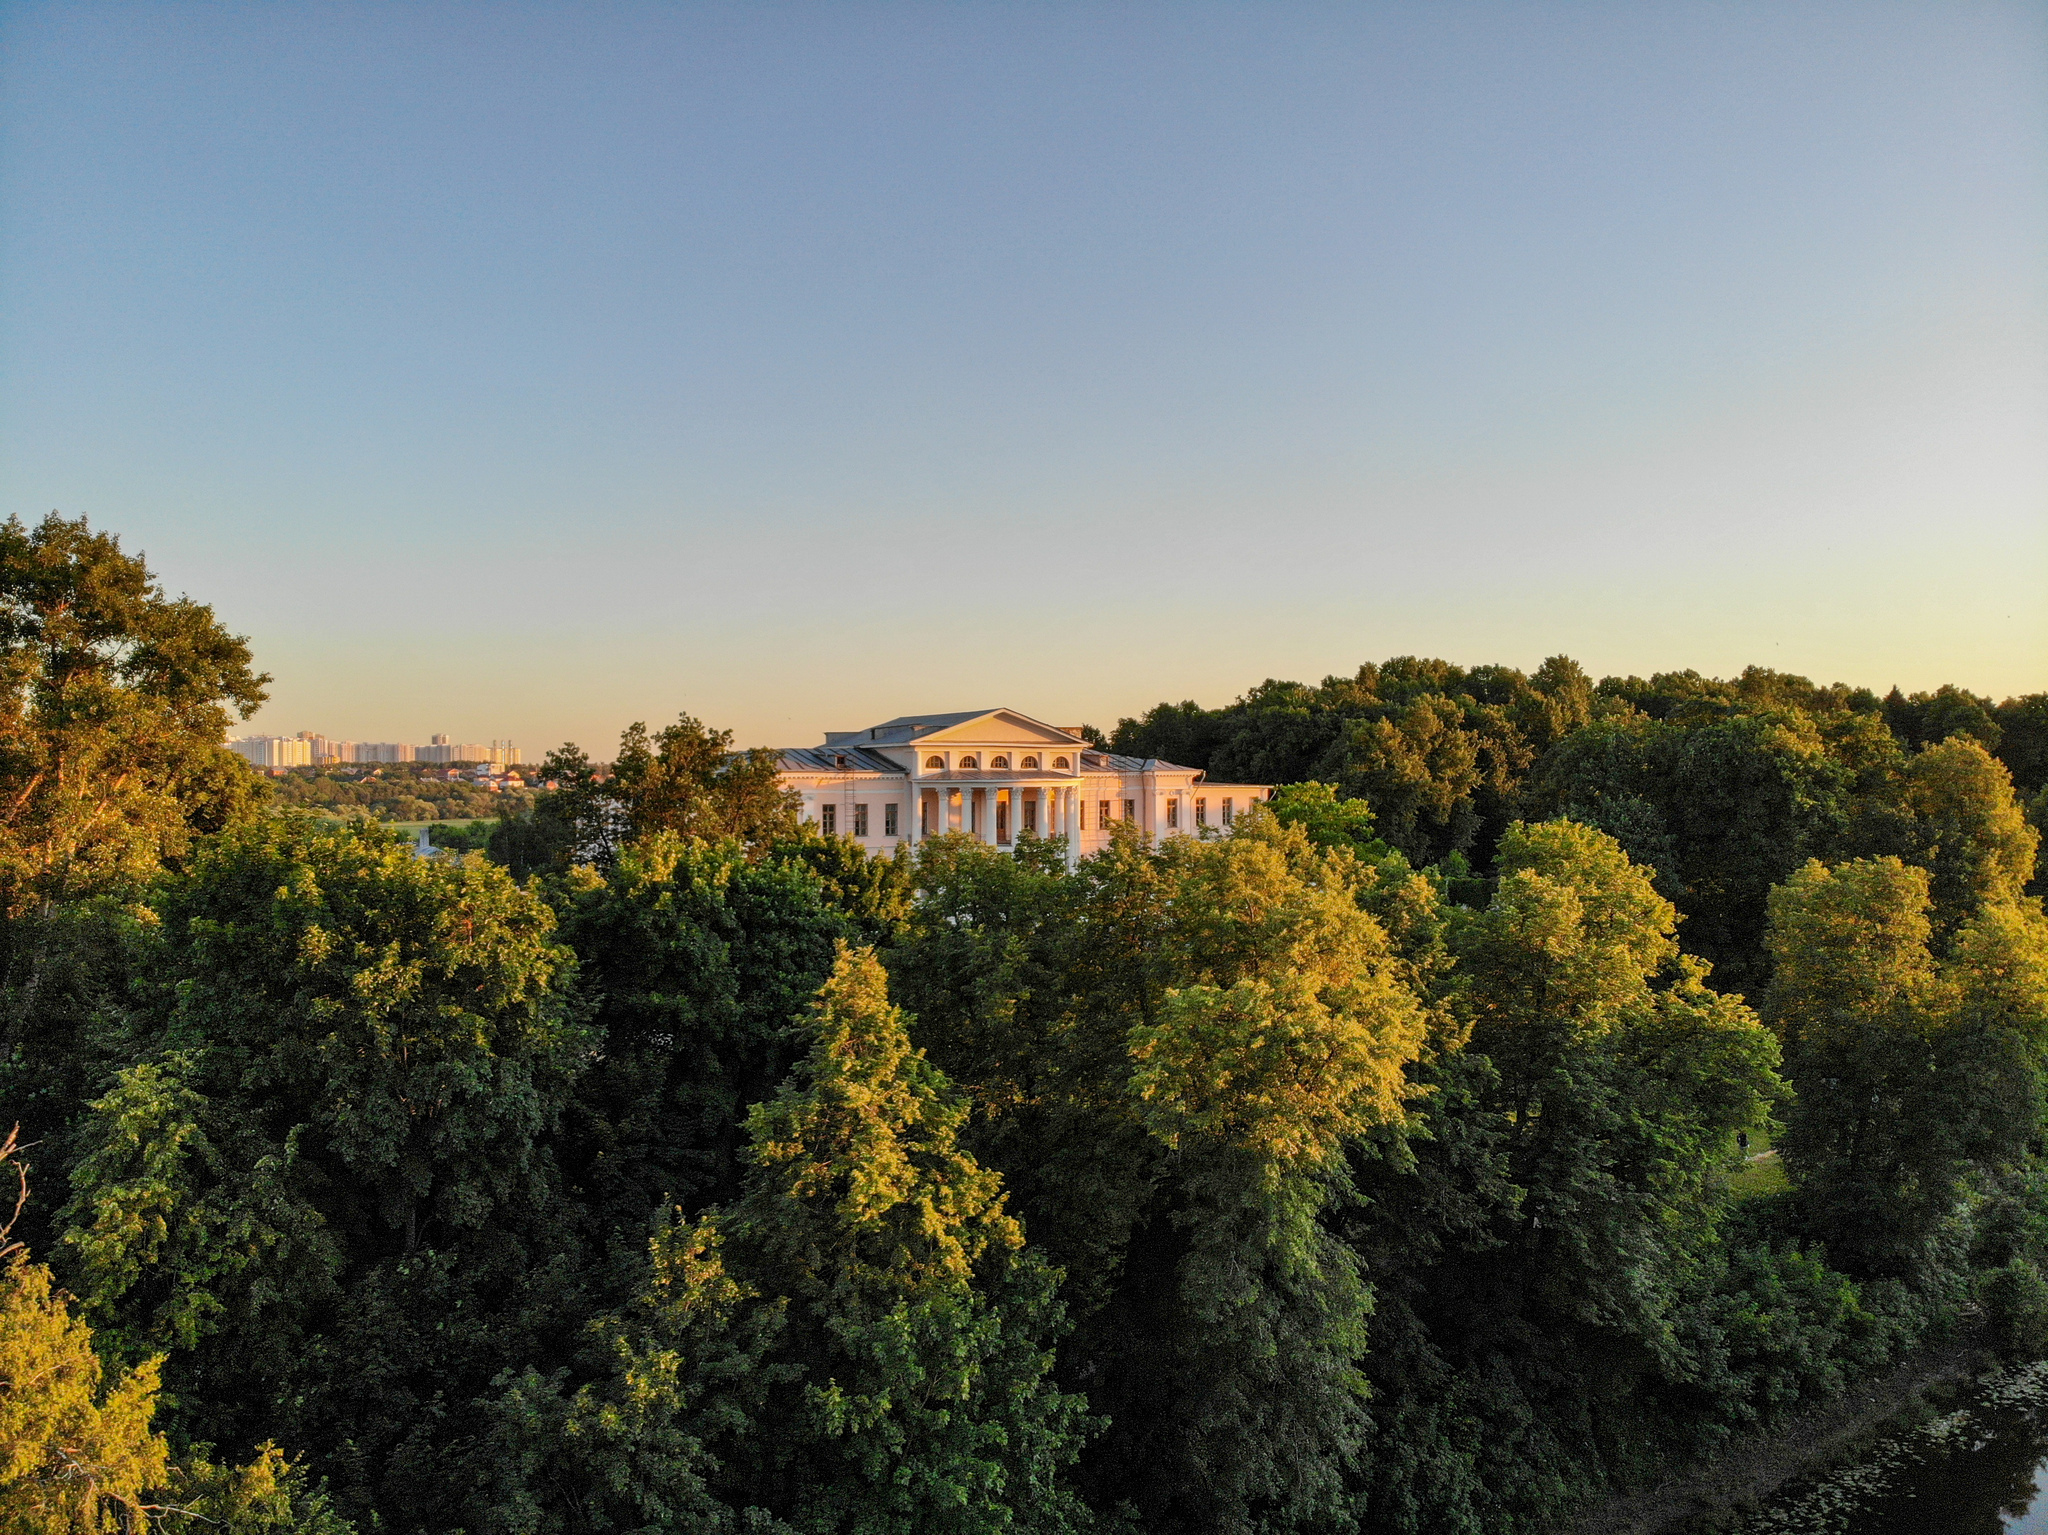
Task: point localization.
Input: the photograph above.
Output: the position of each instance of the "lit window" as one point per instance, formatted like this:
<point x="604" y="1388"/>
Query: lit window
<point x="999" y="762"/>
<point x="1173" y="811"/>
<point x="1201" y="811"/>
<point x="889" y="820"/>
<point x="1130" y="810"/>
<point x="828" y="819"/>
<point x="935" y="762"/>
<point x="1002" y="818"/>
<point x="1226" y="810"/>
<point x="1062" y="763"/>
<point x="968" y="762"/>
<point x="1031" y="762"/>
<point x="860" y="820"/>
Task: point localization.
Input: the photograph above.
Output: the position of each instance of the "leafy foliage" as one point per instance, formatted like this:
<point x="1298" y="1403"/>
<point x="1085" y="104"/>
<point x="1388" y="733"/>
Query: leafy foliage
<point x="686" y="780"/>
<point x="78" y="1451"/>
<point x="1378" y="1165"/>
<point x="332" y="1147"/>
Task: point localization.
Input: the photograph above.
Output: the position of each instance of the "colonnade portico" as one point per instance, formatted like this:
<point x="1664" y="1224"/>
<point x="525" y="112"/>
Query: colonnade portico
<point x="997" y="813"/>
<point x="998" y="775"/>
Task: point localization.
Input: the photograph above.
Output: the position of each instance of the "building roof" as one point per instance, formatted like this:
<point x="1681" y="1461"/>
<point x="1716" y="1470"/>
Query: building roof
<point x="835" y="759"/>
<point x="908" y="727"/>
<point x="1116" y="762"/>
<point x="916" y="727"/>
<point x="847" y="755"/>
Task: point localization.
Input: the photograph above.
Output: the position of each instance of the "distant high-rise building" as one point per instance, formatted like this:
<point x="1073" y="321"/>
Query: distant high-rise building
<point x="442" y="749"/>
<point x="326" y="749"/>
<point x="310" y="749"/>
<point x="274" y="751"/>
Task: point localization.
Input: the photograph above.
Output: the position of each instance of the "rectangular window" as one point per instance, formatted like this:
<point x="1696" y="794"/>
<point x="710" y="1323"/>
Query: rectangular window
<point x="1226" y="810"/>
<point x="924" y="816"/>
<point x="860" y="820"/>
<point x="1130" y="810"/>
<point x="1031" y="818"/>
<point x="1173" y="811"/>
<point x="1002" y="820"/>
<point x="1102" y="816"/>
<point x="1201" y="811"/>
<point x="889" y="819"/>
<point x="828" y="819"/>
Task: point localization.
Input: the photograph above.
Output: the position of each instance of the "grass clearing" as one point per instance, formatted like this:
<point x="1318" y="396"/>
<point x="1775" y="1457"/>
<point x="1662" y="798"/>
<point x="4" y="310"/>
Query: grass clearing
<point x="1761" y="1173"/>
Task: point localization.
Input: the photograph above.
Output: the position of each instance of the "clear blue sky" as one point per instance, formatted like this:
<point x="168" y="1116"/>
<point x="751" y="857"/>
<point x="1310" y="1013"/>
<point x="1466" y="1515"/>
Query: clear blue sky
<point x="525" y="370"/>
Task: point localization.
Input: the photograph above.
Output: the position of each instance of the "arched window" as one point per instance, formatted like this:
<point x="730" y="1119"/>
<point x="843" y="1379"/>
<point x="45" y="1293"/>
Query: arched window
<point x="1031" y="762"/>
<point x="1062" y="763"/>
<point x="935" y="762"/>
<point x="999" y="762"/>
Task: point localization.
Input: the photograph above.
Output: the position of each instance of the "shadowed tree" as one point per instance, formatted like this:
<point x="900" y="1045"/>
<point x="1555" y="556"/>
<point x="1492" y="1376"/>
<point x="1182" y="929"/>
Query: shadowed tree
<point x="862" y="1342"/>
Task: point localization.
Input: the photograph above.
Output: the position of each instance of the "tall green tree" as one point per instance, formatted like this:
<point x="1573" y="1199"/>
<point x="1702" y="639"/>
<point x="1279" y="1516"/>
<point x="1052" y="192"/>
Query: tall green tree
<point x="2023" y="741"/>
<point x="1909" y="1070"/>
<point x="324" y="1190"/>
<point x="685" y="779"/>
<point x="1536" y="1236"/>
<point x="79" y="1451"/>
<point x="1723" y="803"/>
<point x="1966" y="830"/>
<point x="1166" y="1048"/>
<point x="695" y="963"/>
<point x="862" y="1342"/>
<point x="1441" y="752"/>
<point x="114" y="701"/>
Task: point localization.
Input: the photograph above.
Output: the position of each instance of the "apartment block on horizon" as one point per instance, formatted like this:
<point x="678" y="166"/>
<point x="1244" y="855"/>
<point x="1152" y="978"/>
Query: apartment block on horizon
<point x="310" y="749"/>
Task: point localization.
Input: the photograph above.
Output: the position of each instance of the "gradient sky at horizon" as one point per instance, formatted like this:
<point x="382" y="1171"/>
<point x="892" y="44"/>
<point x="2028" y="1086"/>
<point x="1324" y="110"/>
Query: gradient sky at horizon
<point x="523" y="370"/>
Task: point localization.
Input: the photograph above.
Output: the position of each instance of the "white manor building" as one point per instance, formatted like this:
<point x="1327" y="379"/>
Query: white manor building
<point x="996" y="774"/>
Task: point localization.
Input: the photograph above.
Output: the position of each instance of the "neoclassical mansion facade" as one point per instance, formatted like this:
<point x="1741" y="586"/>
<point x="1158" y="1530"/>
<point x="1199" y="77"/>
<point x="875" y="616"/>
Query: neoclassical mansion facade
<point x="996" y="775"/>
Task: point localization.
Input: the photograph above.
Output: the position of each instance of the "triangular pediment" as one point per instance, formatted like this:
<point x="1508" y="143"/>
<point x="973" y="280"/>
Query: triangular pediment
<point x="1002" y="727"/>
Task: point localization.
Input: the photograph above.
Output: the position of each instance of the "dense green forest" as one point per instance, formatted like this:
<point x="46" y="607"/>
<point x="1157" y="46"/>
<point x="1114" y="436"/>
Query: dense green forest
<point x="665" y="1166"/>
<point x="394" y="791"/>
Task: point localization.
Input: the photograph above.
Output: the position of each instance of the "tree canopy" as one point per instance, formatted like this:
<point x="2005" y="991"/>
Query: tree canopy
<point x="1551" y="1081"/>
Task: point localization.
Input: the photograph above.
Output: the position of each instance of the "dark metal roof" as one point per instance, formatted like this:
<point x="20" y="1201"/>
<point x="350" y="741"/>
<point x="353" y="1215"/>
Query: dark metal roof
<point x="914" y="727"/>
<point x="1116" y="762"/>
<point x="918" y="724"/>
<point x="836" y="759"/>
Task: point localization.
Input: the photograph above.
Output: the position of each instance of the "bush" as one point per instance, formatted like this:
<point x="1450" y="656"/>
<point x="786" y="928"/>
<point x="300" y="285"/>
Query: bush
<point x="2015" y="1302"/>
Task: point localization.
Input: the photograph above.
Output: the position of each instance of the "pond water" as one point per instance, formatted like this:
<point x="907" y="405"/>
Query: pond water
<point x="1980" y="1470"/>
